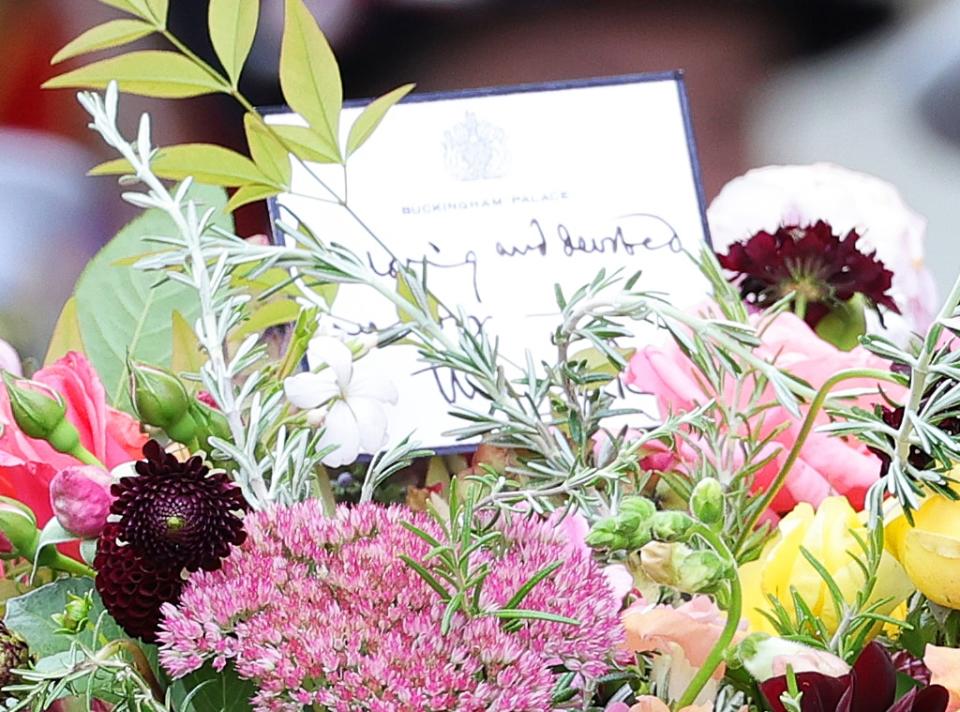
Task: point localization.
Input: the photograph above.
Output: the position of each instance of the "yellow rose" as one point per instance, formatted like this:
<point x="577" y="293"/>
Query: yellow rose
<point x="828" y="536"/>
<point x="930" y="550"/>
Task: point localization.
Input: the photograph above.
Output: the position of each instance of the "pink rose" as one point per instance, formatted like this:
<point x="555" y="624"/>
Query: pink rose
<point x="27" y="466"/>
<point x="827" y="465"/>
<point x="80" y="498"/>
<point x="9" y="360"/>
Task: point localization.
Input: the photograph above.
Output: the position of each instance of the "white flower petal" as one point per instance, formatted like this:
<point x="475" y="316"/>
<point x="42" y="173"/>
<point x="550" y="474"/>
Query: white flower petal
<point x="334" y="353"/>
<point x="308" y="390"/>
<point x="371" y="422"/>
<point x="371" y="384"/>
<point x="341" y="430"/>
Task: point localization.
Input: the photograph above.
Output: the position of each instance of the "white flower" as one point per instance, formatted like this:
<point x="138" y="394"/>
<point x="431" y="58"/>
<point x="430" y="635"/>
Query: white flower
<point x="355" y="420"/>
<point x="767" y="198"/>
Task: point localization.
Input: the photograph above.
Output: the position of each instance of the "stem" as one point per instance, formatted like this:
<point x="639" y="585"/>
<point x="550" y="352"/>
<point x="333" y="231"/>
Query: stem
<point x="86" y="457"/>
<point x="68" y="565"/>
<point x="920" y="371"/>
<point x="719" y="649"/>
<point x="805" y="429"/>
<point x="139" y="662"/>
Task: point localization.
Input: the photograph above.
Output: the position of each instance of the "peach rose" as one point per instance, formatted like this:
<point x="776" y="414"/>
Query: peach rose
<point x="944" y="666"/>
<point x="683" y="637"/>
<point x="648" y="703"/>
<point x="27" y="466"/>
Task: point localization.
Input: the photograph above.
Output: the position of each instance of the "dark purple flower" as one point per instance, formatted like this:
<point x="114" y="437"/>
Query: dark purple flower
<point x="823" y="269"/>
<point x="171" y="517"/>
<point x="870" y="686"/>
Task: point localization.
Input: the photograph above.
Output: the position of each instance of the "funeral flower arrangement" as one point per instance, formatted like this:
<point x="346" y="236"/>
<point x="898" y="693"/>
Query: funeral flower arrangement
<point x="187" y="526"/>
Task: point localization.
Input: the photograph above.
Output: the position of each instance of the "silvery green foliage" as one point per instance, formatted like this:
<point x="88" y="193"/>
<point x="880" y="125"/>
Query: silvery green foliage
<point x="551" y="412"/>
<point x="931" y="371"/>
<point x="250" y="401"/>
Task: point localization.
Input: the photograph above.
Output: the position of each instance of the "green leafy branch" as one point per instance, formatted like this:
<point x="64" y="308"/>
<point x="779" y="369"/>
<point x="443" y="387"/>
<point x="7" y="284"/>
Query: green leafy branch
<point x="450" y="567"/>
<point x="309" y="79"/>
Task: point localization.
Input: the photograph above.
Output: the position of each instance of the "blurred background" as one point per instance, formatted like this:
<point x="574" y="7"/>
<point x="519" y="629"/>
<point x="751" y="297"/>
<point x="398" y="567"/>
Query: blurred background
<point x="873" y="85"/>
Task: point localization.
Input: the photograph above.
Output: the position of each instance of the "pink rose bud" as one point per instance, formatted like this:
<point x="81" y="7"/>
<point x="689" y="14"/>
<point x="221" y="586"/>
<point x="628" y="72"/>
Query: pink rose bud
<point x="80" y="498"/>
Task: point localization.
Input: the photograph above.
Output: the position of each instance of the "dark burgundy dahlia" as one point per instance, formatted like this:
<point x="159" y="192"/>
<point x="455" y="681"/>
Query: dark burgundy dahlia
<point x="169" y="518"/>
<point x="823" y="269"/>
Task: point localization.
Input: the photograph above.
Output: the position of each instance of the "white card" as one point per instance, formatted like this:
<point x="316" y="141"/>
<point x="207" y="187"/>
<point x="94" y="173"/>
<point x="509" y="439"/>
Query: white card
<point x="505" y="193"/>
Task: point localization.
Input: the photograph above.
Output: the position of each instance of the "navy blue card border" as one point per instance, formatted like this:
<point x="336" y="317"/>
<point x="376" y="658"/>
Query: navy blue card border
<point x="675" y="76"/>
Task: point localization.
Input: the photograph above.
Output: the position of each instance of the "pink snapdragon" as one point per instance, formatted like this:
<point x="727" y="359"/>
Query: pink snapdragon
<point x="323" y="611"/>
<point x="827" y="464"/>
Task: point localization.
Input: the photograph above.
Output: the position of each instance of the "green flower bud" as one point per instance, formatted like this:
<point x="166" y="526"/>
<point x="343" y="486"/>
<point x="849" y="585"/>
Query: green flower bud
<point x="41" y="417"/>
<point x="75" y="614"/>
<point x="603" y="534"/>
<point x="676" y="565"/>
<point x="706" y="501"/>
<point x="210" y="423"/>
<point x="160" y="400"/>
<point x="638" y="506"/>
<point x="745" y="650"/>
<point x="19" y="526"/>
<point x="670" y="525"/>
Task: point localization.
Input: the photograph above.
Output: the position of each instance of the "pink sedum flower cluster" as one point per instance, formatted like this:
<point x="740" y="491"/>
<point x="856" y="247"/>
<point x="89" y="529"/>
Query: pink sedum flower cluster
<point x="322" y="610"/>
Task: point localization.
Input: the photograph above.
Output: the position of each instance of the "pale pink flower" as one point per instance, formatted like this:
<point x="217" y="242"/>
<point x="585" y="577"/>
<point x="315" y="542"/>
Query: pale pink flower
<point x="323" y="611"/>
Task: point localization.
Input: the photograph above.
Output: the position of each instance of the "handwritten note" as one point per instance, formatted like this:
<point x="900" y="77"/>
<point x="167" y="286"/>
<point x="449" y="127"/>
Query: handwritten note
<point x="503" y="194"/>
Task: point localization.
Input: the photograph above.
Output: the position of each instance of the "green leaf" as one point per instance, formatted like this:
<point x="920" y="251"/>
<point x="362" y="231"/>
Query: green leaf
<point x="52" y="533"/>
<point x="371" y="117"/>
<point x="30" y="617"/>
<point x="233" y="25"/>
<point x="309" y="75"/>
<point x="308" y="144"/>
<point x="187" y="356"/>
<point x="66" y="334"/>
<point x="275" y="313"/>
<point x="159" y="9"/>
<point x="115" y="33"/>
<point x="267" y="152"/>
<point x="119" y="308"/>
<point x="246" y="194"/>
<point x="116" y="167"/>
<point x="216" y="691"/>
<point x="207" y="163"/>
<point x="404" y="290"/>
<point x="163" y="74"/>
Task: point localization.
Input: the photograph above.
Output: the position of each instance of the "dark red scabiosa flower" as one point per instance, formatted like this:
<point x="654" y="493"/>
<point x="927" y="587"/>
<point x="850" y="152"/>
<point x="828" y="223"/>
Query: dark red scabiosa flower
<point x="169" y="518"/>
<point x="823" y="269"/>
<point x="871" y="686"/>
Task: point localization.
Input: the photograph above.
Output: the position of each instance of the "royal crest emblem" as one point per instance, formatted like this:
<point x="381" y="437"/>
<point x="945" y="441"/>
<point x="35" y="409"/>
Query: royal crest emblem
<point x="475" y="150"/>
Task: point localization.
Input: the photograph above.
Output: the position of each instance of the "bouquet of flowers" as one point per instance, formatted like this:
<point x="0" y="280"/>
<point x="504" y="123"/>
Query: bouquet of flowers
<point x="186" y="527"/>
